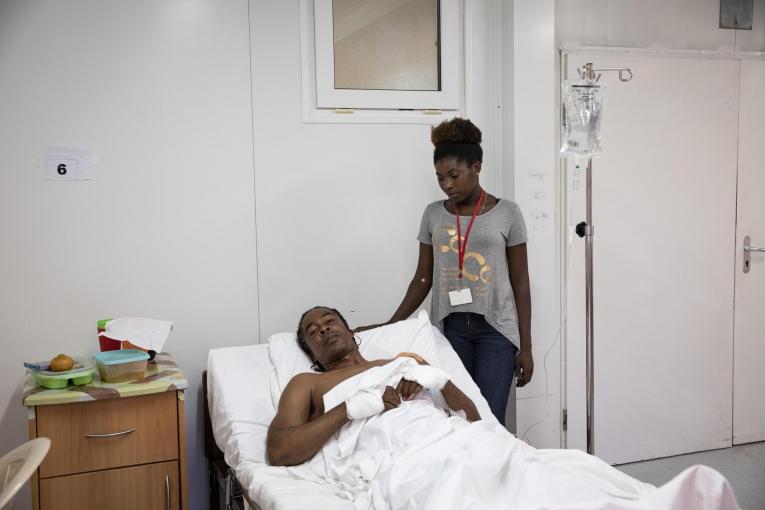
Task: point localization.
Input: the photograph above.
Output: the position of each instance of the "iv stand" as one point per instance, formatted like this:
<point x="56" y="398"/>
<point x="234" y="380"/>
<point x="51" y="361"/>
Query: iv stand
<point x="585" y="229"/>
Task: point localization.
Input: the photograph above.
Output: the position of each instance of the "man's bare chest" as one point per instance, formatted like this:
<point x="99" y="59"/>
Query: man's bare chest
<point x="326" y="381"/>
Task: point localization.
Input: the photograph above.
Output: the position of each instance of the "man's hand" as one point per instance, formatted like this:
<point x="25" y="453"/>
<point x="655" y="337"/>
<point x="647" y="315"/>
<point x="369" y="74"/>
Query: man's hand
<point x="365" y="403"/>
<point x="428" y="377"/>
<point x="524" y="367"/>
<point x="390" y="399"/>
<point x="408" y="389"/>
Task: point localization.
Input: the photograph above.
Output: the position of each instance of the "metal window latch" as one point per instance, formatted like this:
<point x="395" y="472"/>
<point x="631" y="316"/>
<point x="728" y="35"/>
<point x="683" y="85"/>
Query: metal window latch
<point x="748" y="248"/>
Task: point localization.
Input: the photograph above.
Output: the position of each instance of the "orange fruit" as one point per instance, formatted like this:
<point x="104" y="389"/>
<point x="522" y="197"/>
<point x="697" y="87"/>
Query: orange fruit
<point x="61" y="363"/>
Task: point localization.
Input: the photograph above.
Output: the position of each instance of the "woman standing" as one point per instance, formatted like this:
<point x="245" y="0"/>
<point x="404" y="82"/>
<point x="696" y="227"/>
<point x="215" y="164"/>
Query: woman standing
<point x="472" y="254"/>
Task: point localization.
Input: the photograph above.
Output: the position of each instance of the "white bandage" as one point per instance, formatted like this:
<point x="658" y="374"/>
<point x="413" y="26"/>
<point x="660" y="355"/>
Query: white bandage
<point x="364" y="403"/>
<point x="430" y="378"/>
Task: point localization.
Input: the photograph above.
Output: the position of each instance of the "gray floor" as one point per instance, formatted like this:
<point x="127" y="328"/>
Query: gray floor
<point x="743" y="466"/>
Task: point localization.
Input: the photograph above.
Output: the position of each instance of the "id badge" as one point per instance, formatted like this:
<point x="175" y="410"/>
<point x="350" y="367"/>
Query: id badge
<point x="460" y="297"/>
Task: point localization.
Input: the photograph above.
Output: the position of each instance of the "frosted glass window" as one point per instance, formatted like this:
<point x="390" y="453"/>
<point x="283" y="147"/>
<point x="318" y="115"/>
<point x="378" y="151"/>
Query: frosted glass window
<point x="386" y="44"/>
<point x="385" y="54"/>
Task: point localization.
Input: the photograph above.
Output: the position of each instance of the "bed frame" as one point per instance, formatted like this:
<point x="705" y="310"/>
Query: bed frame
<point x="226" y="493"/>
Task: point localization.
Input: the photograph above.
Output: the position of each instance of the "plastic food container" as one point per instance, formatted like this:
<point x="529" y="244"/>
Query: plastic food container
<point x="119" y="366"/>
<point x="81" y="373"/>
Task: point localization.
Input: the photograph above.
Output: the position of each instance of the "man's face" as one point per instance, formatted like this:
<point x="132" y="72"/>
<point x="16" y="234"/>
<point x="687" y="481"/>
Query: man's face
<point x="327" y="336"/>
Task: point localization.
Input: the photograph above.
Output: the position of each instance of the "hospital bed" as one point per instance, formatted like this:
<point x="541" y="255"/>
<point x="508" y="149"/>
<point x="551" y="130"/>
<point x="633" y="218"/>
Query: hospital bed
<point x="242" y="387"/>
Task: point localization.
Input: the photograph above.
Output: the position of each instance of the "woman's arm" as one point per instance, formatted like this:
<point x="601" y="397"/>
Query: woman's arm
<point x="519" y="279"/>
<point x="418" y="288"/>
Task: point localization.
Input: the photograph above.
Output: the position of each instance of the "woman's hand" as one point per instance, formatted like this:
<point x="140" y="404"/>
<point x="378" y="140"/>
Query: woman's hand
<point x="524" y="367"/>
<point x="419" y="359"/>
<point x="371" y="326"/>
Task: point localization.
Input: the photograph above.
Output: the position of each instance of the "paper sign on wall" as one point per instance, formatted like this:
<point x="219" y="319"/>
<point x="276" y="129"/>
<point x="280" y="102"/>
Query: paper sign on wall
<point x="68" y="163"/>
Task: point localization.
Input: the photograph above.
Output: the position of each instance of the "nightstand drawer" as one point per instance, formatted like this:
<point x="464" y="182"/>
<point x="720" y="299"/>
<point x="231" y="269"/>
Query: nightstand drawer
<point x="111" y="433"/>
<point x="149" y="487"/>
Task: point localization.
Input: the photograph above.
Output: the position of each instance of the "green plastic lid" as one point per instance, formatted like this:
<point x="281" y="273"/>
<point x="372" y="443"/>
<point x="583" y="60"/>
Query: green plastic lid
<point x="121" y="356"/>
<point x="102" y="323"/>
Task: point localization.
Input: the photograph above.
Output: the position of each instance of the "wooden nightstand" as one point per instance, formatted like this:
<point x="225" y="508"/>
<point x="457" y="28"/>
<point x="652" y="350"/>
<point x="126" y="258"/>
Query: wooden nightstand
<point x="116" y="446"/>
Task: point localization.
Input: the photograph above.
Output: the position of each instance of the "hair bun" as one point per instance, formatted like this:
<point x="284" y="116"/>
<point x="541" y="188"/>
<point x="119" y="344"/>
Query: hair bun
<point x="456" y="130"/>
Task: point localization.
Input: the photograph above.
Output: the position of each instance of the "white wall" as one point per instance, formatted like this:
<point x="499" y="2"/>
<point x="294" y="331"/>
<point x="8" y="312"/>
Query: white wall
<point x="536" y="185"/>
<point x="160" y="92"/>
<point x="339" y="205"/>
<point x="656" y="24"/>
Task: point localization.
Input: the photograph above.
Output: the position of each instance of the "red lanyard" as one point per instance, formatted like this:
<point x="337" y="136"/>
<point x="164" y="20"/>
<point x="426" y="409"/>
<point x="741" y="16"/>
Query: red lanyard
<point x="462" y="247"/>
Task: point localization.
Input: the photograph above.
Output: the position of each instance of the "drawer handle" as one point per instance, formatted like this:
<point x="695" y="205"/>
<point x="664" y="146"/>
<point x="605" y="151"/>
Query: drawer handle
<point x="167" y="491"/>
<point x="113" y="434"/>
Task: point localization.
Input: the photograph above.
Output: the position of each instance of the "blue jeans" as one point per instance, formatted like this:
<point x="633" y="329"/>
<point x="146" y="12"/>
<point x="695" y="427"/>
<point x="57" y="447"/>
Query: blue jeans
<point x="488" y="356"/>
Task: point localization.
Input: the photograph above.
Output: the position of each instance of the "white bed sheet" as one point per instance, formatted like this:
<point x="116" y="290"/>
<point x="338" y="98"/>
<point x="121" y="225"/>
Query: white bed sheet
<point x="273" y="488"/>
<point x="242" y="405"/>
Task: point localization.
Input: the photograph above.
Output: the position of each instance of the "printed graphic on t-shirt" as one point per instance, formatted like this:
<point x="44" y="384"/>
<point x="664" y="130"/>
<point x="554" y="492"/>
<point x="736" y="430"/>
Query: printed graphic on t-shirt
<point x="475" y="268"/>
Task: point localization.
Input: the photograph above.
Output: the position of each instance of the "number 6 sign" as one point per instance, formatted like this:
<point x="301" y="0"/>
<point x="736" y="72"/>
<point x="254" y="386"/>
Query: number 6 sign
<point x="68" y="164"/>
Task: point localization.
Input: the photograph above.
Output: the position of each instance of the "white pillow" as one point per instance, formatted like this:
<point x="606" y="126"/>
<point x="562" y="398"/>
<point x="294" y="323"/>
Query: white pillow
<point x="241" y="408"/>
<point x="287" y="358"/>
<point x="411" y="335"/>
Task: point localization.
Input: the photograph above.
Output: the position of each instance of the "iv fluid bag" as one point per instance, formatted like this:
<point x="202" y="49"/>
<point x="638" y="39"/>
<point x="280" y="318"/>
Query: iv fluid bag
<point x="583" y="109"/>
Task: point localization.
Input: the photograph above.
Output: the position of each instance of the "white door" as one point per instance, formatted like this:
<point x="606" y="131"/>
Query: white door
<point x="749" y="343"/>
<point x="664" y="207"/>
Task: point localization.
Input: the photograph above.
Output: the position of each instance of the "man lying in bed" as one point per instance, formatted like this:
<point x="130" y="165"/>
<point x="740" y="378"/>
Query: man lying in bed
<point x="394" y="434"/>
<point x="301" y="427"/>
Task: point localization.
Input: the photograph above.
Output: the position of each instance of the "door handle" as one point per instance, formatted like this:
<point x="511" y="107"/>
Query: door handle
<point x="748" y="249"/>
<point x="167" y="491"/>
<point x="113" y="434"/>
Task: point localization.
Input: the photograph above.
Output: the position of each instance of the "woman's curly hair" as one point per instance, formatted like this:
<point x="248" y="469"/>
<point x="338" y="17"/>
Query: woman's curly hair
<point x="456" y="130"/>
<point x="457" y="138"/>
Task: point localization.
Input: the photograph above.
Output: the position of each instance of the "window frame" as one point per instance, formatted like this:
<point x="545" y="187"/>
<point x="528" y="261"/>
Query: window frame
<point x="448" y="98"/>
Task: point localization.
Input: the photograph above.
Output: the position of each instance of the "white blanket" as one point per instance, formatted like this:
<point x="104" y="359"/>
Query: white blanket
<point x="417" y="456"/>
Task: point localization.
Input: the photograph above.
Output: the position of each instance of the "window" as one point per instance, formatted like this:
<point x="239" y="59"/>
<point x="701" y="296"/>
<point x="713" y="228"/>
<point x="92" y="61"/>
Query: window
<point x="386" y="54"/>
<point x="386" y="44"/>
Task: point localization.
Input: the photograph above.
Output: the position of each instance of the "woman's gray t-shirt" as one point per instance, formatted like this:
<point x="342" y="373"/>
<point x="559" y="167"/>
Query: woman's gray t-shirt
<point x="485" y="269"/>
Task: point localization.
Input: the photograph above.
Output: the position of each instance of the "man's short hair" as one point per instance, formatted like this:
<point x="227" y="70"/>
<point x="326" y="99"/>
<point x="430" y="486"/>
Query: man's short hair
<point x="300" y="335"/>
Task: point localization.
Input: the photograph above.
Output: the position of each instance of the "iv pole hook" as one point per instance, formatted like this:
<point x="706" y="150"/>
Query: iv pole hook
<point x="587" y="72"/>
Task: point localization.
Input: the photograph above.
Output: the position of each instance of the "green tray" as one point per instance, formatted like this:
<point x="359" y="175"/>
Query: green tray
<point x="82" y="373"/>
